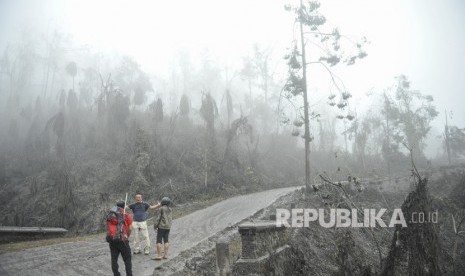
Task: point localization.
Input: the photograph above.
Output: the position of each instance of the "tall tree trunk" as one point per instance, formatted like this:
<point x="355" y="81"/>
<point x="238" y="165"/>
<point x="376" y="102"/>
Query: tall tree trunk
<point x="250" y="96"/>
<point x="345" y="136"/>
<point x="48" y="71"/>
<point x="388" y="157"/>
<point x="446" y="134"/>
<point x="265" y="76"/>
<point x="52" y="84"/>
<point x="307" y="121"/>
<point x="206" y="169"/>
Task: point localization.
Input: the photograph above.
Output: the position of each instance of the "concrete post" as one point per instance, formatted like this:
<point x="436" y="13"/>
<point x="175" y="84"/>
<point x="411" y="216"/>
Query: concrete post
<point x="223" y="265"/>
<point x="259" y="238"/>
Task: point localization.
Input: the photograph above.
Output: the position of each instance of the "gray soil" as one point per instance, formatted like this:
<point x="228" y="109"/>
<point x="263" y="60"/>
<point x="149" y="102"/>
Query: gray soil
<point x="92" y="257"/>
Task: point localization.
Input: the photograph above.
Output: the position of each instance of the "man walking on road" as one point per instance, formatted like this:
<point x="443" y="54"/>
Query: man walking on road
<point x="118" y="231"/>
<point x="139" y="226"/>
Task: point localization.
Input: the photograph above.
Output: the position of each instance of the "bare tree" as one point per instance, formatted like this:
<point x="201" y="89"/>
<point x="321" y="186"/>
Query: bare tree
<point x="309" y="21"/>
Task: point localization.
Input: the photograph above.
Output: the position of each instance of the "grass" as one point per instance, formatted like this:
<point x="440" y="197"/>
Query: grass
<point x="22" y="245"/>
<point x="235" y="248"/>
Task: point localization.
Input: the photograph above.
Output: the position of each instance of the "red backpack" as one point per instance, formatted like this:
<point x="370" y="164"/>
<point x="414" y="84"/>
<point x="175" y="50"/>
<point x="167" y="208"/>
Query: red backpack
<point x="116" y="227"/>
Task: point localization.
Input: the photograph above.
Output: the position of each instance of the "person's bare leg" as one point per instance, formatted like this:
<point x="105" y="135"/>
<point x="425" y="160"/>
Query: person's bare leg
<point x="165" y="255"/>
<point x="159" y="250"/>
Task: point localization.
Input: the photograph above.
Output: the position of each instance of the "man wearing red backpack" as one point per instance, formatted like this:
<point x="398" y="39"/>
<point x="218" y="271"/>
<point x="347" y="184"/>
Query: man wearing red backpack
<point x="118" y="231"/>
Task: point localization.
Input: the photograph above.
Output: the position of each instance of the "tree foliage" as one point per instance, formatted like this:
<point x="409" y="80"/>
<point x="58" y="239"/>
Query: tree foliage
<point x="209" y="111"/>
<point x="457" y="141"/>
<point x="184" y="107"/>
<point x="132" y="80"/>
<point x="410" y="113"/>
<point x="71" y="69"/>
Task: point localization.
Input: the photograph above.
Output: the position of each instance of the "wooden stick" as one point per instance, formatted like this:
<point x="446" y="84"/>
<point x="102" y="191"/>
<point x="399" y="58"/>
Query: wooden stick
<point x="125" y="200"/>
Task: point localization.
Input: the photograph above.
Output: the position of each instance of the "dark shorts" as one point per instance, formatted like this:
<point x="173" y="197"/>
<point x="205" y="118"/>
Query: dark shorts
<point x="162" y="235"/>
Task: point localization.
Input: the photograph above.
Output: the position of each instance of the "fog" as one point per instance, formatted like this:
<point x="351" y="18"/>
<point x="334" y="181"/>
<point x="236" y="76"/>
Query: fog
<point x="358" y="101"/>
<point x="420" y="39"/>
<point x="115" y="73"/>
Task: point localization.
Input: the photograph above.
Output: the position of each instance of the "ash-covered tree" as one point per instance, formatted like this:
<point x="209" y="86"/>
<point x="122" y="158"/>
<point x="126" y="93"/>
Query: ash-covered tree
<point x="139" y="96"/>
<point x="360" y="131"/>
<point x="229" y="107"/>
<point x="71" y="69"/>
<point x="141" y="85"/>
<point x="89" y="86"/>
<point x="248" y="74"/>
<point x="456" y="142"/>
<point x="74" y="120"/>
<point x="388" y="147"/>
<point x="61" y="98"/>
<point x="186" y="69"/>
<point x="209" y="112"/>
<point x="118" y="110"/>
<point x="55" y="46"/>
<point x="61" y="171"/>
<point x="184" y="111"/>
<point x="410" y="113"/>
<point x="113" y="106"/>
<point x="327" y="134"/>
<point x="230" y="162"/>
<point x="328" y="52"/>
<point x="132" y="80"/>
<point x="11" y="138"/>
<point x="126" y="73"/>
<point x="72" y="100"/>
<point x="17" y="69"/>
<point x="184" y="107"/>
<point x="260" y="69"/>
<point x="157" y="108"/>
<point x="209" y="74"/>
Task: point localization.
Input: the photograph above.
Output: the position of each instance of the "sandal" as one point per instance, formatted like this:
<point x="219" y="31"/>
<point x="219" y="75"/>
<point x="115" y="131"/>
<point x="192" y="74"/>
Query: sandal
<point x="157" y="258"/>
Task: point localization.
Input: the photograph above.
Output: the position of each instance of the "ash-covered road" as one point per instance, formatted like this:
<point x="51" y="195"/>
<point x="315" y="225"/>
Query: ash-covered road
<point x="92" y="257"/>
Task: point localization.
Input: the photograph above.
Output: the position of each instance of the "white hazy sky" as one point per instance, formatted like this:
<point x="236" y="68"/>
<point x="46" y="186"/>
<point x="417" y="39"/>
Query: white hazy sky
<point x="423" y="39"/>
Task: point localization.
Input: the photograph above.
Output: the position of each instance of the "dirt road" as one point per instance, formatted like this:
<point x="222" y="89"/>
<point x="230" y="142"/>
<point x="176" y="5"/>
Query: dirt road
<point x="93" y="257"/>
